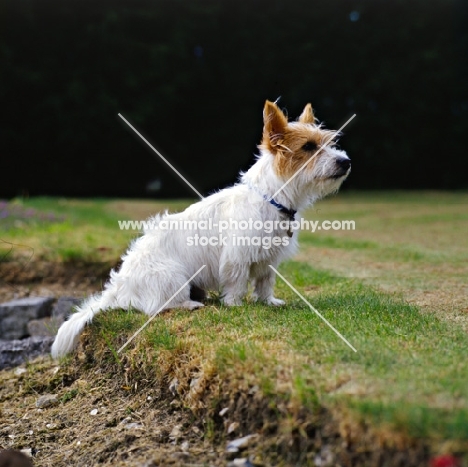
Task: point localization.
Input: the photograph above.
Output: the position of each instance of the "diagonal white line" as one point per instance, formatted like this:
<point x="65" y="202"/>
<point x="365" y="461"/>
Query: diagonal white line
<point x="155" y="314"/>
<point x="314" y="310"/>
<point x="315" y="154"/>
<point x="162" y="157"/>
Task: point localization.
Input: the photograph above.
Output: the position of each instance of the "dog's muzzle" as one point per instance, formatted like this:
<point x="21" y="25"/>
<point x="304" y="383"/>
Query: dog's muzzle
<point x="343" y="166"/>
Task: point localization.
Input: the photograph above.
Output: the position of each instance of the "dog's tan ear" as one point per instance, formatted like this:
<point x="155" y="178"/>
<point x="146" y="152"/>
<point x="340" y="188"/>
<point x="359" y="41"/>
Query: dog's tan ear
<point x="307" y="115"/>
<point x="274" y="120"/>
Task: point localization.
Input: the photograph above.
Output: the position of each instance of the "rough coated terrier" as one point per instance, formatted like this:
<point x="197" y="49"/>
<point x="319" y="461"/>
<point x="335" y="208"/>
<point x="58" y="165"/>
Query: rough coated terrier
<point x="298" y="164"/>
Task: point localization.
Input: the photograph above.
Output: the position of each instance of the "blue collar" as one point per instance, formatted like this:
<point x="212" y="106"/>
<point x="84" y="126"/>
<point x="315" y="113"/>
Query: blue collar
<point x="289" y="212"/>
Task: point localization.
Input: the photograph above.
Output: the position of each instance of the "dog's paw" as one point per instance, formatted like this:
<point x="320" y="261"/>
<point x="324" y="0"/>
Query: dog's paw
<point x="274" y="301"/>
<point x="191" y="305"/>
<point x="232" y="301"/>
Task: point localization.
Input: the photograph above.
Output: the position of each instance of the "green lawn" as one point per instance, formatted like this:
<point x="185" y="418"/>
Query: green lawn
<point x="396" y="288"/>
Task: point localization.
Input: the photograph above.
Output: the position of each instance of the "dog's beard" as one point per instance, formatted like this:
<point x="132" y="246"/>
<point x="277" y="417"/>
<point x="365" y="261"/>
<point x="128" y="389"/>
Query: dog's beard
<point x="329" y="172"/>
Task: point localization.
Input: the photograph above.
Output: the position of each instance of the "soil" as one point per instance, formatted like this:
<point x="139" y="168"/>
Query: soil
<point x="99" y="419"/>
<point x="42" y="278"/>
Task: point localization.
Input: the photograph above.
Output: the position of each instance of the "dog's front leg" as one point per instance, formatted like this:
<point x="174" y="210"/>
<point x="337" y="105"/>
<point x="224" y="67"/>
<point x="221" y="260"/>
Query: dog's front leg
<point x="263" y="287"/>
<point x="233" y="280"/>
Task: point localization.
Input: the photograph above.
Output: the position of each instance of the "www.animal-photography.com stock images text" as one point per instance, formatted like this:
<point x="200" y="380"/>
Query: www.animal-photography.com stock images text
<point x="234" y="233"/>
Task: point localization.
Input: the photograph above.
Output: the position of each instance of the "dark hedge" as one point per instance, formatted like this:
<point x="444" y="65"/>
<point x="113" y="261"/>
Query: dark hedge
<point x="192" y="76"/>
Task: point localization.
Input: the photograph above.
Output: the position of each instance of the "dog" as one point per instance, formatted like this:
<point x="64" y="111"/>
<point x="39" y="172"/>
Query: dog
<point x="298" y="163"/>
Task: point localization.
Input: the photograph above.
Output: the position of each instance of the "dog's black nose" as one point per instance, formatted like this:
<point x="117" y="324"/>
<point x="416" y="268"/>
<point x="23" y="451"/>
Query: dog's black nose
<point x="343" y="163"/>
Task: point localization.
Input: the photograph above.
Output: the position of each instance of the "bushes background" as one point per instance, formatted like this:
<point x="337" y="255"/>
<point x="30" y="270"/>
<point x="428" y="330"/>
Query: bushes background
<point x="192" y="76"/>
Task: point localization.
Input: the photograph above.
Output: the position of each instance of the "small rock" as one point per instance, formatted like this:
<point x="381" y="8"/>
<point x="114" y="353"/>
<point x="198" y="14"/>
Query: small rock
<point x="47" y="400"/>
<point x="232" y="427"/>
<point x="197" y="430"/>
<point x="51" y="426"/>
<point x="176" y="404"/>
<point x="325" y="457"/>
<point x="223" y="412"/>
<point x="185" y="446"/>
<point x="19" y="371"/>
<point x="173" y="385"/>
<point x="133" y="426"/>
<point x="150" y="464"/>
<point x="254" y="389"/>
<point x="176" y="432"/>
<point x="240" y="462"/>
<point x="240" y="443"/>
<point x="93" y="412"/>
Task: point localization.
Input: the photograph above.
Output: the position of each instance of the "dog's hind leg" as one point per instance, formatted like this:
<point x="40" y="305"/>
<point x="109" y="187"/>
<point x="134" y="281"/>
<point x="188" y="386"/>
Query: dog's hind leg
<point x="166" y="287"/>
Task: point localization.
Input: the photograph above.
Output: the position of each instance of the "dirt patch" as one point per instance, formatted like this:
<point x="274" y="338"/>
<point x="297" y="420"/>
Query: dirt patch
<point x="98" y="420"/>
<point x="111" y="414"/>
<point x="43" y="278"/>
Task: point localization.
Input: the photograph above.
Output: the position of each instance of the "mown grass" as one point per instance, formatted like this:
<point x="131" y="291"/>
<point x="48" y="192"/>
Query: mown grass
<point x="409" y="373"/>
<point x="71" y="230"/>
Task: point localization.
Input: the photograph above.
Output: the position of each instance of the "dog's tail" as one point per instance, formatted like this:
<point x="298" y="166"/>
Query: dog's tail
<point x="69" y="332"/>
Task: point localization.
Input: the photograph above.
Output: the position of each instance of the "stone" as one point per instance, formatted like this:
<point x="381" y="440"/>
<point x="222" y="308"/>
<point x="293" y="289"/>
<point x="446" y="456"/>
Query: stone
<point x="173" y="386"/>
<point x="63" y="308"/>
<point x="224" y="411"/>
<point x="134" y="426"/>
<point x="47" y="400"/>
<point x="49" y="326"/>
<point x="232" y="427"/>
<point x="240" y="462"/>
<point x="240" y="443"/>
<point x="15" y="352"/>
<point x="176" y="432"/>
<point x="15" y="315"/>
<point x="43" y="327"/>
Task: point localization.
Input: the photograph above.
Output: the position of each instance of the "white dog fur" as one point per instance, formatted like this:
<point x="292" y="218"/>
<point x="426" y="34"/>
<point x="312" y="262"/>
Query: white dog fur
<point x="159" y="262"/>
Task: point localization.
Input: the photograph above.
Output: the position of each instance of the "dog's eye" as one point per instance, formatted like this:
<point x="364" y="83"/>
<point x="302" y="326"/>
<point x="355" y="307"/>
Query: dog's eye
<point x="309" y="146"/>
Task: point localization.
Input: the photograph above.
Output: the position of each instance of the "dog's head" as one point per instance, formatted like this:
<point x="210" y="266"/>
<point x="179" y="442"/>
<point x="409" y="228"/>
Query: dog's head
<point x="304" y="150"/>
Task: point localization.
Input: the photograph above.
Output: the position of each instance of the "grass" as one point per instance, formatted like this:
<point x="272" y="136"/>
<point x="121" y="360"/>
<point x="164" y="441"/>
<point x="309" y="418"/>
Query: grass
<point x="378" y="285"/>
<point x="408" y="363"/>
<point x="69" y="230"/>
